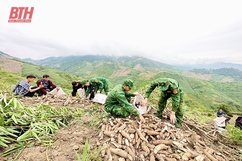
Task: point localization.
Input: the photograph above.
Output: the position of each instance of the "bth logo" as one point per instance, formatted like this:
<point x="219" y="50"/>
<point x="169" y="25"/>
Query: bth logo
<point x="21" y="14"/>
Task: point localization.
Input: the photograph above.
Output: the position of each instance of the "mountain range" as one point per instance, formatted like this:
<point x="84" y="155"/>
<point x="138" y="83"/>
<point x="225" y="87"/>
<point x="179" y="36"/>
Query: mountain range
<point x="108" y="66"/>
<point x="203" y="88"/>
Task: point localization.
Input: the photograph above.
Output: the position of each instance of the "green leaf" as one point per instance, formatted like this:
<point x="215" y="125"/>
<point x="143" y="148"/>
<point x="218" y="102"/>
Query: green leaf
<point x="35" y="135"/>
<point x="85" y="149"/>
<point x="24" y="136"/>
<point x="77" y="155"/>
<point x="14" y="119"/>
<point x="1" y="120"/>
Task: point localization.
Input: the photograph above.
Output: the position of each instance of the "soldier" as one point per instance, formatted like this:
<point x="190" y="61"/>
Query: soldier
<point x="118" y="101"/>
<point x="100" y="84"/>
<point x="169" y="88"/>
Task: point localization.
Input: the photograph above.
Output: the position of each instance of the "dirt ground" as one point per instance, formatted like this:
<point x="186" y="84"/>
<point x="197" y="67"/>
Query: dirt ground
<point x="68" y="139"/>
<point x="7" y="64"/>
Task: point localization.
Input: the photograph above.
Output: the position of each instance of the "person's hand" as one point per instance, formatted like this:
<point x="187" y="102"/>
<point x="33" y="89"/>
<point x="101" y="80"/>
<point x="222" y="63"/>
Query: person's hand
<point x="173" y="117"/>
<point x="144" y="102"/>
<point x="136" y="93"/>
<point x="41" y="86"/>
<point x="142" y="119"/>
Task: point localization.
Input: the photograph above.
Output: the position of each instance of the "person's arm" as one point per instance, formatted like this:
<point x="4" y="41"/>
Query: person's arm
<point x="153" y="85"/>
<point x="52" y="84"/>
<point x="100" y="86"/>
<point x="35" y="89"/>
<point x="128" y="94"/>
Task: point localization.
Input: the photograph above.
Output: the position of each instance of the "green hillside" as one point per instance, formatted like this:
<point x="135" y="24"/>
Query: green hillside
<point x="222" y="73"/>
<point x="199" y="94"/>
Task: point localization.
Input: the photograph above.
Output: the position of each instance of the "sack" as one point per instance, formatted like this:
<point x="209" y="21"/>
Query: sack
<point x="99" y="98"/>
<point x="220" y="121"/>
<point x="137" y="104"/>
<point x="57" y="91"/>
<point x="81" y="92"/>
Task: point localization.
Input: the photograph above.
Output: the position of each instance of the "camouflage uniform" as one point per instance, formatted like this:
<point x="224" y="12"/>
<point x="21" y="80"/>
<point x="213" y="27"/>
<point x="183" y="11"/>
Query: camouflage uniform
<point x="118" y="101"/>
<point x="100" y="84"/>
<point x="169" y="88"/>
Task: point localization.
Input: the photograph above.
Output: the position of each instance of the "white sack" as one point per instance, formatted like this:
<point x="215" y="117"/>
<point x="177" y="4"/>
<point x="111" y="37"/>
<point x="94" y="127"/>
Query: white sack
<point x="57" y="91"/>
<point x="81" y="92"/>
<point x="138" y="100"/>
<point x="99" y="98"/>
<point x="220" y="121"/>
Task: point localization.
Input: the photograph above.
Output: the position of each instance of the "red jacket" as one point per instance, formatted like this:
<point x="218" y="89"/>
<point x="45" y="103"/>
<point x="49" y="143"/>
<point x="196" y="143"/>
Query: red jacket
<point x="50" y="86"/>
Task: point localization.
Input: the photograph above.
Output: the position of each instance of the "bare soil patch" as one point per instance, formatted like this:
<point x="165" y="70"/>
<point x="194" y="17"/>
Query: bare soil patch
<point x="122" y="71"/>
<point x="138" y="67"/>
<point x="11" y="65"/>
<point x="198" y="75"/>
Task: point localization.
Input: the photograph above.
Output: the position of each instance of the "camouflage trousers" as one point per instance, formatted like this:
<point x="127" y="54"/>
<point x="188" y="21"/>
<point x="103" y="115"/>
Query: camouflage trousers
<point x="118" y="111"/>
<point x="176" y="101"/>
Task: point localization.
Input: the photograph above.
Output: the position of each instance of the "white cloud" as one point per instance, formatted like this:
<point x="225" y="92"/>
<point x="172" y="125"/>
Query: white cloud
<point x="185" y="31"/>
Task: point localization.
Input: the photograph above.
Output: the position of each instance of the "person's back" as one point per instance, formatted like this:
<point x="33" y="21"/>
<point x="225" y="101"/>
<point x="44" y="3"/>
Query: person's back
<point x="100" y="84"/>
<point x="118" y="101"/>
<point x="238" y="122"/>
<point x="112" y="98"/>
<point x="75" y="86"/>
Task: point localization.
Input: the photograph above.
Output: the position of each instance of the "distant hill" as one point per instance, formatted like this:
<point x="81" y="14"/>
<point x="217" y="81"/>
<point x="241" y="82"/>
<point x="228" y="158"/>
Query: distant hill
<point x="114" y="67"/>
<point x="106" y="66"/>
<point x="209" y="66"/>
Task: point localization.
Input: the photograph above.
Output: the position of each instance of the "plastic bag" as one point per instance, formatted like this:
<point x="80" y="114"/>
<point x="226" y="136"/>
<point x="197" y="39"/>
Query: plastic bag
<point x="57" y="91"/>
<point x="81" y="92"/>
<point x="137" y="104"/>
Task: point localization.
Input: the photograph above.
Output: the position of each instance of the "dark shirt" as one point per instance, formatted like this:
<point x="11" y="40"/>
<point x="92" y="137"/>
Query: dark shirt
<point x="220" y="114"/>
<point x="48" y="86"/>
<point x="75" y="88"/>
<point x="239" y="119"/>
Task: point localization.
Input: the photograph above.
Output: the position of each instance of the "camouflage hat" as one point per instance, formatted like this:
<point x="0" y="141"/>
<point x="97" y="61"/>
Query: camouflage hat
<point x="128" y="82"/>
<point x="163" y="86"/>
<point x="84" y="82"/>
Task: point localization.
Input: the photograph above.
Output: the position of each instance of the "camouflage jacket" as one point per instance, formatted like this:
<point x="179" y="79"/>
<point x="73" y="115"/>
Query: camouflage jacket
<point x="118" y="96"/>
<point x="99" y="83"/>
<point x="169" y="87"/>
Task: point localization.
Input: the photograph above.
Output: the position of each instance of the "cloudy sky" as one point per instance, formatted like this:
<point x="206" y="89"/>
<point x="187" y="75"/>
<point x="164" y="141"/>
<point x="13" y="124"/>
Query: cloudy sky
<point x="174" y="32"/>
